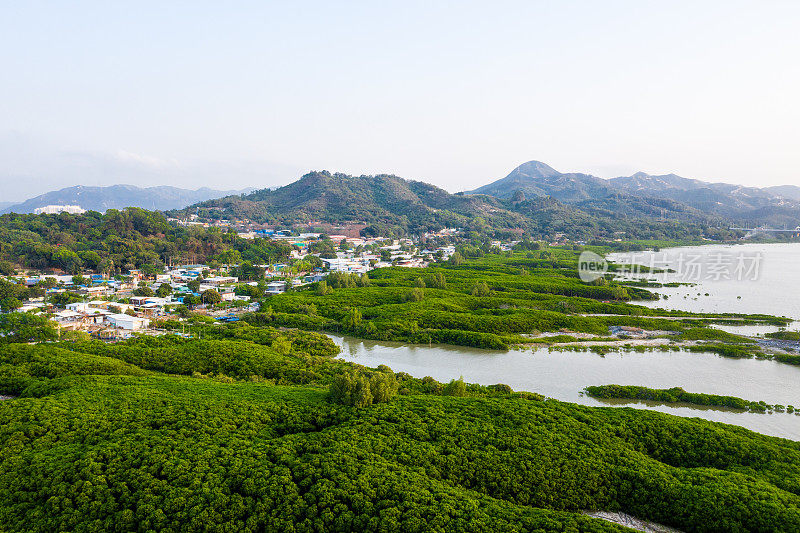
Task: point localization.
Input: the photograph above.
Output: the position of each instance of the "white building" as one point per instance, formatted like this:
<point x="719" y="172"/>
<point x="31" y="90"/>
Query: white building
<point x="220" y="280"/>
<point x="227" y="293"/>
<point x="342" y="264"/>
<point x="68" y="319"/>
<point x="79" y="307"/>
<point x="55" y="209"/>
<point x="128" y="322"/>
<point x="276" y="287"/>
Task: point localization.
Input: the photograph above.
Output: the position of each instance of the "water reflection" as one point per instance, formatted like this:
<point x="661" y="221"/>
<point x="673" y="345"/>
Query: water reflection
<point x="563" y="375"/>
<point x="768" y="294"/>
<point x="616" y="402"/>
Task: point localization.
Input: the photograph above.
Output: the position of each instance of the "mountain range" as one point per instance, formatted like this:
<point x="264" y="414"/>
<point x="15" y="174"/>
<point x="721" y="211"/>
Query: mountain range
<point x="160" y="198"/>
<point x="677" y="197"/>
<point x="534" y="198"/>
<point x="390" y="205"/>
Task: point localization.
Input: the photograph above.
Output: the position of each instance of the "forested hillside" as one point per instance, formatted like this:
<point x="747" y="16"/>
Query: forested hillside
<point x="386" y="202"/>
<point x="117" y="241"/>
<point x="394" y="206"/>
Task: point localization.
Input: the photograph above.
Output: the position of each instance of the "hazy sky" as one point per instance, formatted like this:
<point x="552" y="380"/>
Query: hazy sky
<point x="236" y="94"/>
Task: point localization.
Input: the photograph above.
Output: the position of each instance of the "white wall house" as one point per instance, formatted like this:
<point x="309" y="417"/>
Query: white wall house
<point x="127" y="322"/>
<point x="276" y="287"/>
<point x="79" y="307"/>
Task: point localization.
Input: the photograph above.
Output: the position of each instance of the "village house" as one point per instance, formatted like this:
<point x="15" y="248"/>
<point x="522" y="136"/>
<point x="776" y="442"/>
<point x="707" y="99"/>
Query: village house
<point x="276" y="287"/>
<point x="127" y="322"/>
<point x="220" y="280"/>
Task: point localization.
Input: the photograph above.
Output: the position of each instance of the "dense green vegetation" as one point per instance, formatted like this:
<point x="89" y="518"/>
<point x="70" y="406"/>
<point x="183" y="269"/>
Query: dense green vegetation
<point x="788" y="358"/>
<point x="118" y="241"/>
<point x="487" y="300"/>
<point x="25" y="327"/>
<point x="250" y="436"/>
<point x="676" y="395"/>
<point x="785" y="335"/>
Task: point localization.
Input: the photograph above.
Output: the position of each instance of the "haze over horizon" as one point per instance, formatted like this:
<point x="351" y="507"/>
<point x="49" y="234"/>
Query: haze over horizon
<point x="196" y="95"/>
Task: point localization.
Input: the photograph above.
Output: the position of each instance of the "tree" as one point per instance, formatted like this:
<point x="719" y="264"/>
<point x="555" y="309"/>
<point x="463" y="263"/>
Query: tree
<point x="383" y="386"/>
<point x="352" y="389"/>
<point x="26" y="327"/>
<point x="230" y="257"/>
<point x="68" y="260"/>
<point x="416" y="295"/>
<point x="456" y="387"/>
<point x="150" y="270"/>
<point x="481" y="289"/>
<point x="282" y="345"/>
<point x="419" y="283"/>
<point x="91" y="259"/>
<point x="314" y="261"/>
<point x="619" y="293"/>
<point x="12" y="290"/>
<point x="194" y="285"/>
<point x="61" y="299"/>
<point x="352" y="318"/>
<point x="7" y="269"/>
<point x="105" y="266"/>
<point x="456" y="259"/>
<point x="143" y="291"/>
<point x="246" y="271"/>
<point x="323" y="288"/>
<point x="211" y="296"/>
<point x="164" y="290"/>
<point x="437" y="281"/>
<point x="9" y="304"/>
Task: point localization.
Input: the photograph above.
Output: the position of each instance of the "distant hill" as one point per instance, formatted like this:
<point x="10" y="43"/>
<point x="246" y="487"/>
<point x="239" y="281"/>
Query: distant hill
<point x="390" y="205"/>
<point x="718" y="198"/>
<point x="666" y="196"/>
<point x="535" y="178"/>
<point x="790" y="192"/>
<point x="118" y="197"/>
<point x="384" y="202"/>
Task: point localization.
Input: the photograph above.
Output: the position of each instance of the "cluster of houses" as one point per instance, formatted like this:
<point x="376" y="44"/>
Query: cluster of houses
<point x="114" y="307"/>
<point x="104" y="318"/>
<point x="111" y="308"/>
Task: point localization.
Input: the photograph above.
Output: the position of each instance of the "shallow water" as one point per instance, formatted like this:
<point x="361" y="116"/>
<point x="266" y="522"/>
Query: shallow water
<point x="563" y="375"/>
<point x="773" y="290"/>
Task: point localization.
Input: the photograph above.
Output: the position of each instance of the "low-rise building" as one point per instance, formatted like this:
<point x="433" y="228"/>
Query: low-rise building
<point x="127" y="322"/>
<point x="276" y="287"/>
<point x="220" y="280"/>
